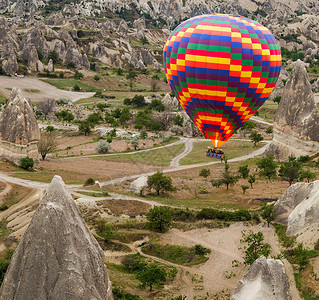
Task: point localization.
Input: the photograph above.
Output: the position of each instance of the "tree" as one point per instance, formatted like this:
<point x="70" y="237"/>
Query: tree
<point x="251" y="180"/>
<point x="164" y="119"/>
<point x="131" y="76"/>
<point x="159" y="218"/>
<point x="256" y="137"/>
<point x="54" y="56"/>
<point x="104" y="229"/>
<point x="103" y="147"/>
<point x="138" y="100"/>
<point x="151" y="274"/>
<point x="290" y="170"/>
<point x="96" y="77"/>
<point x="78" y="75"/>
<point x="125" y="115"/>
<point x="228" y="178"/>
<point x="255" y="246"/>
<point x="244" y="188"/>
<point x="204" y="173"/>
<point x="248" y="126"/>
<point x="160" y="183"/>
<point x="46" y="107"/>
<point x="155" y="79"/>
<point x="243" y="171"/>
<point x="47" y="144"/>
<point x="178" y="120"/>
<point x="308" y="175"/>
<point x="157" y="105"/>
<point x="267" y="166"/>
<point x="268" y="212"/>
<point x="27" y="163"/>
<point x="134" y="143"/>
<point x="94" y="119"/>
<point x="85" y="127"/>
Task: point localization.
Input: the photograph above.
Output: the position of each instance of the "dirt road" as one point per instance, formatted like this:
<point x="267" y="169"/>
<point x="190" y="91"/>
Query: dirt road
<point x="45" y="90"/>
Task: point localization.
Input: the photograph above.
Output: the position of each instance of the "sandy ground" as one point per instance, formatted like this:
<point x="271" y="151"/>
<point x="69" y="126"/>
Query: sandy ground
<point x="90" y="148"/>
<point x="224" y="244"/>
<point x="46" y="90"/>
<point x="99" y="169"/>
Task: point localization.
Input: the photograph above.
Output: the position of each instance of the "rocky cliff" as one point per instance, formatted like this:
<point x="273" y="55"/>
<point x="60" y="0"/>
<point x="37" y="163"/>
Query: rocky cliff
<point x="298" y="208"/>
<point x="266" y="279"/>
<point x="58" y="257"/>
<point x="296" y="121"/>
<point x="116" y="32"/>
<point x="19" y="131"/>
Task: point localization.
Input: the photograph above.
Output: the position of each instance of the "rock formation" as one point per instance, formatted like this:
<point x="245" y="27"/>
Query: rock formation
<point x="19" y="131"/>
<point x="58" y="257"/>
<point x="266" y="279"/>
<point x="296" y="121"/>
<point x="138" y="184"/>
<point x="170" y="103"/>
<point x="298" y="208"/>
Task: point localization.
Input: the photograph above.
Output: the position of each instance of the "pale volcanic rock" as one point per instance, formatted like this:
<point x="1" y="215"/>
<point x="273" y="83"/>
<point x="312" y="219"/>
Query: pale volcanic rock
<point x="266" y="279"/>
<point x="19" y="114"/>
<point x="298" y="208"/>
<point x="58" y="257"/>
<point x="296" y="121"/>
<point x="19" y="130"/>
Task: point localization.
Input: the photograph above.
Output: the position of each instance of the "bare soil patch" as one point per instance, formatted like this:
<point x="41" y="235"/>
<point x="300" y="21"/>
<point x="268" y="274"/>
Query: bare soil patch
<point x="130" y="208"/>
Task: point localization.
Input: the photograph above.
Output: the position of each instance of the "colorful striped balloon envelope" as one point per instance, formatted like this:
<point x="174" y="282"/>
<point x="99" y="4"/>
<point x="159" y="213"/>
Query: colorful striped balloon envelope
<point x="222" y="68"/>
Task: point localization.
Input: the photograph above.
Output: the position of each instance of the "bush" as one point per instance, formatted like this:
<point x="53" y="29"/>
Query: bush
<point x="49" y="128"/>
<point x="104" y="229"/>
<point x="133" y="262"/>
<point x="277" y="99"/>
<point x="204" y="173"/>
<point x="138" y="100"/>
<point x="103" y="147"/>
<point x="76" y="88"/>
<point x="96" y="77"/>
<point x="255" y="246"/>
<point x="27" y="163"/>
<point x="211" y="213"/>
<point x="89" y="181"/>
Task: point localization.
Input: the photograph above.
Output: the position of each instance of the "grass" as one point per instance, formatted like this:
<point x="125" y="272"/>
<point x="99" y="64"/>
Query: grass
<point x="4" y="230"/>
<point x="267" y="111"/>
<point x="177" y="254"/>
<point x="232" y="149"/>
<point x="47" y="175"/>
<point x="34" y="91"/>
<point x="66" y="84"/>
<point x="158" y="157"/>
<point x="282" y="237"/>
<point x="94" y="194"/>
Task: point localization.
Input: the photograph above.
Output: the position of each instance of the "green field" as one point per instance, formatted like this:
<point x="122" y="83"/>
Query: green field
<point x="159" y="157"/>
<point x="66" y="84"/>
<point x="232" y="149"/>
<point x="267" y="111"/>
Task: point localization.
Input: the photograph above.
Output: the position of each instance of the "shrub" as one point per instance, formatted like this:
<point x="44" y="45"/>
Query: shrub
<point x="244" y="188"/>
<point x="211" y="213"/>
<point x="133" y="262"/>
<point x="255" y="246"/>
<point x="89" y="181"/>
<point x="49" y="128"/>
<point x="96" y="77"/>
<point x="104" y="229"/>
<point x="277" y="99"/>
<point x="204" y="173"/>
<point x="76" y="88"/>
<point x="138" y="100"/>
<point x="316" y="246"/>
<point x="103" y="147"/>
<point x="27" y="163"/>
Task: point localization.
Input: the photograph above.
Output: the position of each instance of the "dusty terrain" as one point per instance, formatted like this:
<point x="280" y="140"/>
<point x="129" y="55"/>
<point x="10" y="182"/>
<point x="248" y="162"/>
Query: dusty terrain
<point x="45" y="90"/>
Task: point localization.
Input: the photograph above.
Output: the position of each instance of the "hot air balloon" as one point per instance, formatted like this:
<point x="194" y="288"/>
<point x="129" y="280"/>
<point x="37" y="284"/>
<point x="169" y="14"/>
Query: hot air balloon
<point x="222" y="68"/>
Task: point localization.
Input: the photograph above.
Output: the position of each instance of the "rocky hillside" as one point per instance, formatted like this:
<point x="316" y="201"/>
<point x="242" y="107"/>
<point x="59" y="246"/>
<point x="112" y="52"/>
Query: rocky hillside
<point x="121" y="33"/>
